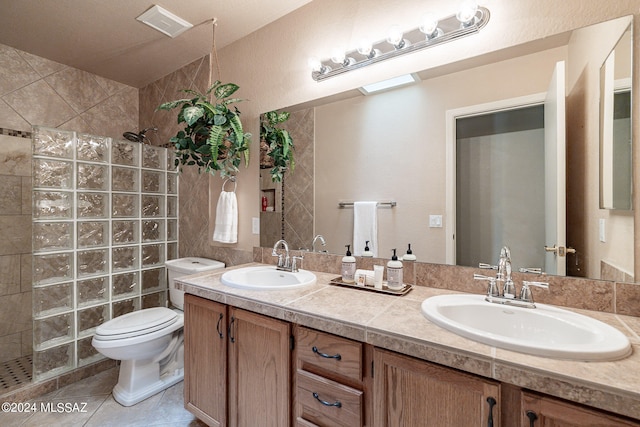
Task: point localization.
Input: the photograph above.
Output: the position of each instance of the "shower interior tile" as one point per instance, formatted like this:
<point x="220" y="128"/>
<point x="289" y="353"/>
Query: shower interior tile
<point x="9" y="274"/>
<point x="172" y="251"/>
<point x="52" y="299"/>
<point x="157" y="299"/>
<point x="125" y="306"/>
<point x="152" y="255"/>
<point x="172" y="229"/>
<point x="172" y="206"/>
<point x="172" y="183"/>
<point x="10" y="195"/>
<point x="86" y="352"/>
<point x="92" y="148"/>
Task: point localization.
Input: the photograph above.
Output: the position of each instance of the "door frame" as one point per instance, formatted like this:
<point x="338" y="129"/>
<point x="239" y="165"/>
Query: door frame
<point x="450" y="156"/>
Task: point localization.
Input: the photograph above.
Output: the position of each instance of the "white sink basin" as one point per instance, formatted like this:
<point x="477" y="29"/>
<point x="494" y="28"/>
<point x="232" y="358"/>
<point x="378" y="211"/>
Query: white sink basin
<point x="542" y="331"/>
<point x="267" y="278"/>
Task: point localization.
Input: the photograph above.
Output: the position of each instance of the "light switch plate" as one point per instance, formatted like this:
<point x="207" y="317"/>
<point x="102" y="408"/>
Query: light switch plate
<point x="255" y="225"/>
<point x="435" y="221"/>
<point x="601" y="226"/>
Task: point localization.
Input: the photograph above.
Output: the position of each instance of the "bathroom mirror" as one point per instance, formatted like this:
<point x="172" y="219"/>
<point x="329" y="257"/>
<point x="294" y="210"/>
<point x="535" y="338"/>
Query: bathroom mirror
<point x="399" y="155"/>
<point x="615" y="127"/>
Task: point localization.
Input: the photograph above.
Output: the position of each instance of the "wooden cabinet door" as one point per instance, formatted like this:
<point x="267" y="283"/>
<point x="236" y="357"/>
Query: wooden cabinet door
<point x="544" y="411"/>
<point x="411" y="392"/>
<point x="205" y="360"/>
<point x="259" y="365"/>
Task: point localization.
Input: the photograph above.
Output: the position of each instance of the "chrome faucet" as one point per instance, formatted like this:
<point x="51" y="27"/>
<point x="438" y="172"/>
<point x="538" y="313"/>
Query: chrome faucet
<point x="507" y="295"/>
<point x="285" y="262"/>
<point x="322" y="242"/>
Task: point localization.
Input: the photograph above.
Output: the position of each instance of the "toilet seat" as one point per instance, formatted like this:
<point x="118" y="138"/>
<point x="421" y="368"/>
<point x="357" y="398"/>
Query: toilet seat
<point x="136" y="323"/>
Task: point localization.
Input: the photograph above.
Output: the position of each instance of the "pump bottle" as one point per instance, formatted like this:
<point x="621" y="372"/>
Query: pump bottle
<point x="394" y="273"/>
<point x="367" y="252"/>
<point x="348" y="266"/>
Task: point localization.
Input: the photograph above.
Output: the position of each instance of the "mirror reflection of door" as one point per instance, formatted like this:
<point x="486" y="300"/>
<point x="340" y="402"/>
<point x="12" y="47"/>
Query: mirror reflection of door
<point x="510" y="181"/>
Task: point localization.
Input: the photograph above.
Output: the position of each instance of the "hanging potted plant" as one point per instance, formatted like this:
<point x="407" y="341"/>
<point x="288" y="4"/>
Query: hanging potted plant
<point x="212" y="137"/>
<point x="277" y="144"/>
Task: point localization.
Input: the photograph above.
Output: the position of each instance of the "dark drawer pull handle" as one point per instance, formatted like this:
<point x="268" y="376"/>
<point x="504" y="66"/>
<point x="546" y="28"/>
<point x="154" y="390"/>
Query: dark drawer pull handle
<point x="337" y="403"/>
<point x="326" y="356"/>
<point x="532" y="417"/>
<point x="492" y="402"/>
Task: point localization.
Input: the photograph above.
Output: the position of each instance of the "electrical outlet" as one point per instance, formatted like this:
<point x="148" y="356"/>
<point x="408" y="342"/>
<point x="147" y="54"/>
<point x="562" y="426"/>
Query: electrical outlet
<point x="601" y="226"/>
<point x="255" y="225"/>
<point x="435" y="221"/>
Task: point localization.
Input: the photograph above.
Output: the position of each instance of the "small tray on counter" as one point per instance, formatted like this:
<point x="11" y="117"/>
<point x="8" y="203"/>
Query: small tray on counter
<point x="406" y="288"/>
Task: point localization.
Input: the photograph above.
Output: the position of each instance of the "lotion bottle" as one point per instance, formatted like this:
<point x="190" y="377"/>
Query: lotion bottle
<point x="394" y="273"/>
<point x="367" y="252"/>
<point x="409" y="256"/>
<point x="348" y="266"/>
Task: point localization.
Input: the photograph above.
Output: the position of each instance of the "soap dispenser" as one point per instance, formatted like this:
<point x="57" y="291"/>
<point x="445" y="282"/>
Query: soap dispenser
<point x="367" y="252"/>
<point x="348" y="266"/>
<point x="394" y="273"/>
<point x="409" y="256"/>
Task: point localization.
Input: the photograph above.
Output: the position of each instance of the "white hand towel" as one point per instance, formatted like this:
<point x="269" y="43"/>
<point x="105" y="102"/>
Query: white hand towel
<point x="365" y="227"/>
<point x="226" y="229"/>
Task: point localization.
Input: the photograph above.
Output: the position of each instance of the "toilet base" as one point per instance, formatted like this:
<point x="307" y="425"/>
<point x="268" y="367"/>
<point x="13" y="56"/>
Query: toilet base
<point x="147" y="381"/>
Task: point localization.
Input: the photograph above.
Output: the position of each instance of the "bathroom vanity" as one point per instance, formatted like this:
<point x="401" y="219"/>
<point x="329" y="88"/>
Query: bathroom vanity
<point x="329" y="356"/>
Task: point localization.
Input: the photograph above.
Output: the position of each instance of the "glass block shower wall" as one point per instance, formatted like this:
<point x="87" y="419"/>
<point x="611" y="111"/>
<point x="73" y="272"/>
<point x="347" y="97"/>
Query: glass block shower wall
<point x="104" y="222"/>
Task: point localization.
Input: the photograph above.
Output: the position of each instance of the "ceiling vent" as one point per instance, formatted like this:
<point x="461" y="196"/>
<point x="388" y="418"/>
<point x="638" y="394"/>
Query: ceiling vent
<point x="164" y="21"/>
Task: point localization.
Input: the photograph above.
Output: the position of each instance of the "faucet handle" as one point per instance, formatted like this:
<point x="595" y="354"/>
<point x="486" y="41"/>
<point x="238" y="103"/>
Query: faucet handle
<point x="294" y="267"/>
<point x="487" y="266"/>
<point x="492" y="289"/>
<point x="525" y="292"/>
<point x="534" y="270"/>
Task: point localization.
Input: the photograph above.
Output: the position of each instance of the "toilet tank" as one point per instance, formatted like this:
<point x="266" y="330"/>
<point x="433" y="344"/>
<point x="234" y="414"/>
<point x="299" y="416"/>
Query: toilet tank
<point x="184" y="267"/>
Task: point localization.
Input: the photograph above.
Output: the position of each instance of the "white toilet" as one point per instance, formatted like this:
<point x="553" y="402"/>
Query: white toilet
<point x="150" y="342"/>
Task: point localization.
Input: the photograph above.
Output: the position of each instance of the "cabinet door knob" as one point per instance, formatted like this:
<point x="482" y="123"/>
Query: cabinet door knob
<point x="532" y="417"/>
<point x="492" y="402"/>
<point x="325" y="355"/>
<point x="337" y="403"/>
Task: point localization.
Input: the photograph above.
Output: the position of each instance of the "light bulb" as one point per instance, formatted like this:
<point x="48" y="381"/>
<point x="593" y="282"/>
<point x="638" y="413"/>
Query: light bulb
<point x="364" y="47"/>
<point x="337" y="56"/>
<point x="429" y="25"/>
<point x="394" y="36"/>
<point x="467" y="11"/>
<point x="314" y="64"/>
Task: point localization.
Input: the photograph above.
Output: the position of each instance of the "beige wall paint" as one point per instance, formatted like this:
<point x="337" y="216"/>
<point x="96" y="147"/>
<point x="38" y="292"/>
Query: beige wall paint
<point x="270" y="65"/>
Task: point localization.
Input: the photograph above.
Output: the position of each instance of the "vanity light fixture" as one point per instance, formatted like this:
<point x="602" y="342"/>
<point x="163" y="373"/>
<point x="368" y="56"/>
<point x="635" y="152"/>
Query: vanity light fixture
<point x="392" y="83"/>
<point x="431" y="31"/>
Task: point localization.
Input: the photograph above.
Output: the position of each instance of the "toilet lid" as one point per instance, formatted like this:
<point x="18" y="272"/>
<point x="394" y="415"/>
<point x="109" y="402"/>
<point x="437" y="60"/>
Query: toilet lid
<point x="136" y="323"/>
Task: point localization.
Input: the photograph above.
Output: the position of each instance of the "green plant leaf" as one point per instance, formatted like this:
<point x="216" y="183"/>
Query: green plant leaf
<point x="225" y="90"/>
<point x="231" y="101"/>
<point x="283" y="117"/>
<point x="216" y="136"/>
<point x="213" y="86"/>
<point x="219" y="119"/>
<point x="236" y="125"/>
<point x="192" y="114"/>
<point x="173" y="104"/>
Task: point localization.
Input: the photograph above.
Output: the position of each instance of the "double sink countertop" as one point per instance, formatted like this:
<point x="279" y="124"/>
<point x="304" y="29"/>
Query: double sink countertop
<point x="396" y="323"/>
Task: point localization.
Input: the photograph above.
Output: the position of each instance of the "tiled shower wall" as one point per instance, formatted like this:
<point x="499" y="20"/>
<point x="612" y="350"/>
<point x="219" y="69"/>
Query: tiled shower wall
<point x="37" y="91"/>
<point x="105" y="218"/>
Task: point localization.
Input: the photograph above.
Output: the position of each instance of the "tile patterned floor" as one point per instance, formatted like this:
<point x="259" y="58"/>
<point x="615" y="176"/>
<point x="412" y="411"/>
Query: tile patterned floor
<point x="15" y="372"/>
<point x="89" y="403"/>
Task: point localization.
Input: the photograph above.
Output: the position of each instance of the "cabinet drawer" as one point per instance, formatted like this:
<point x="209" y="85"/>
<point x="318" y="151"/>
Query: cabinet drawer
<point x="333" y="355"/>
<point x="327" y="403"/>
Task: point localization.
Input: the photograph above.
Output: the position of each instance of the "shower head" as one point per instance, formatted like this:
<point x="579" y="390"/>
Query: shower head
<point x="140" y="136"/>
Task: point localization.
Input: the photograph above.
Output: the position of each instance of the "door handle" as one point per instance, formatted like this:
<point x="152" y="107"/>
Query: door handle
<point x="560" y="250"/>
